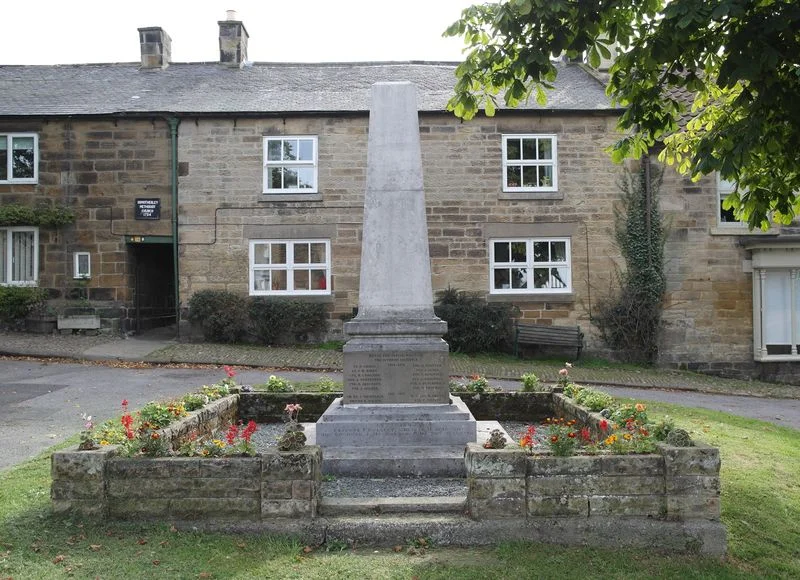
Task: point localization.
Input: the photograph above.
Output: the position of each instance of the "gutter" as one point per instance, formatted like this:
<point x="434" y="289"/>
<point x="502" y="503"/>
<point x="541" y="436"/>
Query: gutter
<point x="173" y="123"/>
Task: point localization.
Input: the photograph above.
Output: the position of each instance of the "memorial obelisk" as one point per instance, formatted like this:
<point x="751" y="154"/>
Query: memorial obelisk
<point x="397" y="415"/>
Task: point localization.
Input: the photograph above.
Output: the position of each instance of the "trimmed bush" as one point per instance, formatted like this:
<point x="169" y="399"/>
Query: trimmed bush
<point x="473" y="325"/>
<point x="281" y="321"/>
<point x="222" y="315"/>
<point x="16" y="302"/>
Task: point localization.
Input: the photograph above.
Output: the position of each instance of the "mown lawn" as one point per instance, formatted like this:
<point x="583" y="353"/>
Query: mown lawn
<point x="760" y="508"/>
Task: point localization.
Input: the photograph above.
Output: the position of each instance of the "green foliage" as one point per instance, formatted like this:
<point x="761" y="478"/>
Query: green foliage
<point x="731" y="65"/>
<point x="474" y="384"/>
<point x="473" y="325"/>
<point x="663" y="428"/>
<point x="222" y="315"/>
<point x="16" y="302"/>
<point x="532" y="384"/>
<point x="194" y="401"/>
<point x="281" y="321"/>
<point x="276" y="385"/>
<point x="159" y="415"/>
<point x="44" y="216"/>
<point x="630" y="319"/>
<point x="593" y="399"/>
<point x="326" y="385"/>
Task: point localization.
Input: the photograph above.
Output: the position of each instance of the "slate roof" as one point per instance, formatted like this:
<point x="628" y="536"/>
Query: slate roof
<point x="212" y="88"/>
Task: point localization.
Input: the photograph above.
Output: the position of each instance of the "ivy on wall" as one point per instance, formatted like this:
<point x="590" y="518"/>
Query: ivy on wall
<point x="630" y="318"/>
<point x="44" y="216"/>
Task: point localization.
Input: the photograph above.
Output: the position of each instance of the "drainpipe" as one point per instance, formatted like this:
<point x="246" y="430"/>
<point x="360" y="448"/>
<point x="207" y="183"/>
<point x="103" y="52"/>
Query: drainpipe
<point x="173" y="123"/>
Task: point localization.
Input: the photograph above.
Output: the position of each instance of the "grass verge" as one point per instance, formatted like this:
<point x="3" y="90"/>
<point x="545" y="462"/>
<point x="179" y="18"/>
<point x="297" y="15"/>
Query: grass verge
<point x="760" y="508"/>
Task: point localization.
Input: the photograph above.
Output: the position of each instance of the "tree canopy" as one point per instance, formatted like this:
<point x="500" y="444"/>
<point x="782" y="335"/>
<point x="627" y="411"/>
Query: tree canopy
<point x="715" y="82"/>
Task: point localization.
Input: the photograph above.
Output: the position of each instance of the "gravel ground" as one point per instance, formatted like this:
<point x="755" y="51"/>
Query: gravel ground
<point x="268" y="434"/>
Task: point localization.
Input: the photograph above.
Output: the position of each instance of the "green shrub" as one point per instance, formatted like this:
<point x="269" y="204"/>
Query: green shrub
<point x="532" y="384"/>
<point x="327" y="385"/>
<point x="222" y="315"/>
<point x="593" y="399"/>
<point x="473" y="325"/>
<point x="277" y="385"/>
<point x="194" y="401"/>
<point x="16" y="302"/>
<point x="475" y="384"/>
<point x="281" y="321"/>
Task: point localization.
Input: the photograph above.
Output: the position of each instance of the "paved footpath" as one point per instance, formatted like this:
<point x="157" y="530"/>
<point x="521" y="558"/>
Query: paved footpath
<point x="41" y="399"/>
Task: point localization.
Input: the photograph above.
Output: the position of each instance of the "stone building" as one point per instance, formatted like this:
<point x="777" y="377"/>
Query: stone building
<point x="266" y="164"/>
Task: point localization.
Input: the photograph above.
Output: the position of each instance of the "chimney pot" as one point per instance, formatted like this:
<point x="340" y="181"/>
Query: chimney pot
<point x="156" y="47"/>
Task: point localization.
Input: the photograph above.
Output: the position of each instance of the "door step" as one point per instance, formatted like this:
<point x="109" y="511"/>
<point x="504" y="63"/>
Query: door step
<point x="353" y="506"/>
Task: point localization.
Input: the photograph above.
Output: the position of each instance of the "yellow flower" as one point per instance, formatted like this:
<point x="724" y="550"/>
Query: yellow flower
<point x="611" y="439"/>
<point x="640" y="407"/>
<point x="219" y="443"/>
<point x="627" y="436"/>
<point x="104" y="442"/>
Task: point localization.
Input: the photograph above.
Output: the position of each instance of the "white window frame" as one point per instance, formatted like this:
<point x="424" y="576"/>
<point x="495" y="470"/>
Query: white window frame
<point x="529" y="266"/>
<point x="76" y="259"/>
<point x="7" y="246"/>
<point x="9" y="139"/>
<point x="291" y="164"/>
<point x="508" y="164"/>
<point x="724" y="189"/>
<point x="290" y="267"/>
<point x="773" y="263"/>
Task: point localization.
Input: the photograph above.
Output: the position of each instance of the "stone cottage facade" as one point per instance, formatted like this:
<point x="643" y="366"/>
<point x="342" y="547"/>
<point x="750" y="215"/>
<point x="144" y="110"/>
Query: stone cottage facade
<point x="266" y="164"/>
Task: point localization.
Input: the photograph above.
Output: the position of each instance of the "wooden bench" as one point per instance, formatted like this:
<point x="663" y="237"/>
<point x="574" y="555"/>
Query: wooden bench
<point x="540" y="334"/>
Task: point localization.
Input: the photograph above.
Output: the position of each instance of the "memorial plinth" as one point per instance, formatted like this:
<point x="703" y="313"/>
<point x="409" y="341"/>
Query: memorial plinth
<point x="396" y="390"/>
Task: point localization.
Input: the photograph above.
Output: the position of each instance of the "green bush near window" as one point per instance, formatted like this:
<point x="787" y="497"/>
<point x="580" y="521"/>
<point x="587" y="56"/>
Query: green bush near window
<point x="16" y="302"/>
<point x="14" y="214"/>
<point x="473" y="325"/>
<point x="221" y="315"/>
<point x="282" y="321"/>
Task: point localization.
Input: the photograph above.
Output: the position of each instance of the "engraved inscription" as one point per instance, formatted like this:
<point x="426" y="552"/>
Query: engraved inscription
<point x="395" y="377"/>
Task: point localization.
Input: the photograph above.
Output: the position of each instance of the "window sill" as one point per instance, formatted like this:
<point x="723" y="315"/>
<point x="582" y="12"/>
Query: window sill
<point x="528" y="297"/>
<point x="529" y="195"/>
<point x="770" y="358"/>
<point x="737" y="231"/>
<point x="321" y="298"/>
<point x="271" y="197"/>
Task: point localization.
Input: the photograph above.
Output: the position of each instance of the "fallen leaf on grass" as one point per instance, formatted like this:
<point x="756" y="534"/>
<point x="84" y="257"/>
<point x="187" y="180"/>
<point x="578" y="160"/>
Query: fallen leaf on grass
<point x="164" y="544"/>
<point x="156" y="562"/>
<point x="307" y="549"/>
<point x="241" y="545"/>
<point x="58" y="559"/>
<point x="204" y="575"/>
<point x="95" y="547"/>
<point x="398" y="548"/>
<point x="141" y="541"/>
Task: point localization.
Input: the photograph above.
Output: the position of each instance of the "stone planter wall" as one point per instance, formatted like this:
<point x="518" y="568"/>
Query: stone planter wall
<point x="270" y="485"/>
<point x="216" y="416"/>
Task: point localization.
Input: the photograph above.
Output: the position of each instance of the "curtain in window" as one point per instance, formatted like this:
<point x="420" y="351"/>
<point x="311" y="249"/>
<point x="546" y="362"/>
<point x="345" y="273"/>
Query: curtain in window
<point x="22" y="252"/>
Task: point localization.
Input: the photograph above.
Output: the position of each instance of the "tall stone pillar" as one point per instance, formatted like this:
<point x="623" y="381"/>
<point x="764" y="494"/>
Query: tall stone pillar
<point x="396" y="401"/>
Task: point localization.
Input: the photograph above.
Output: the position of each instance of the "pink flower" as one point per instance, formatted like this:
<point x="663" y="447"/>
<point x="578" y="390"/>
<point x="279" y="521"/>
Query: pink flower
<point x="563" y="372"/>
<point x="229" y="371"/>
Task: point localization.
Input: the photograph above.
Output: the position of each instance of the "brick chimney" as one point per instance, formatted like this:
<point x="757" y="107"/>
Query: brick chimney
<point x="232" y="41"/>
<point x="156" y="47"/>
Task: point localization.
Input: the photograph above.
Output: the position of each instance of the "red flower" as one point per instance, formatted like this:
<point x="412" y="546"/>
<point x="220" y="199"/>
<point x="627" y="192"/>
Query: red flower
<point x="571" y="434"/>
<point x="127" y="422"/>
<point x="229" y="371"/>
<point x="232" y="434"/>
<point x="531" y="430"/>
<point x="586" y="435"/>
<point x="554" y="438"/>
<point x="603" y="425"/>
<point x="249" y="430"/>
<point x="124" y="403"/>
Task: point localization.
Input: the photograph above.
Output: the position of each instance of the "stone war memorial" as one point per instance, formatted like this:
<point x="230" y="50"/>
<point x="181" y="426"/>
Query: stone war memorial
<point x="396" y="416"/>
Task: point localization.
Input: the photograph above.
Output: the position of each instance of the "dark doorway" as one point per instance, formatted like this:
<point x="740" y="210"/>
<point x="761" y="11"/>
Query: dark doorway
<point x="153" y="286"/>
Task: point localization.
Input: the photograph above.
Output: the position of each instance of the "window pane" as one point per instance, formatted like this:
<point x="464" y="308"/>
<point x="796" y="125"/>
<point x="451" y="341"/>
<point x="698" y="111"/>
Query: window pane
<point x="502" y="252"/>
<point x="726" y="216"/>
<point x="545" y="149"/>
<point x="83" y="264"/>
<point x="541" y="277"/>
<point x="22" y="256"/>
<point x="558" y="277"/>
<point x="529" y="178"/>
<point x="279" y="279"/>
<point x="519" y="252"/>
<point x="289" y="178"/>
<point x="276" y="178"/>
<point x="777" y="308"/>
<point x="319" y="280"/>
<point x="306" y="150"/>
<point x="301" y="280"/>
<point x="545" y="176"/>
<point x="3" y="250"/>
<point x="513" y="149"/>
<point x="318" y="253"/>
<point x="3" y="158"/>
<point x="261" y="280"/>
<point x="274" y="150"/>
<point x="278" y="253"/>
<point x="541" y="251"/>
<point x="261" y="253"/>
<point x="501" y="278"/>
<point x="305" y="178"/>
<point x="529" y="148"/>
<point x="300" y="253"/>
<point x="290" y="149"/>
<point x="519" y="277"/>
<point x="22" y="160"/>
<point x="513" y="178"/>
<point x="558" y="251"/>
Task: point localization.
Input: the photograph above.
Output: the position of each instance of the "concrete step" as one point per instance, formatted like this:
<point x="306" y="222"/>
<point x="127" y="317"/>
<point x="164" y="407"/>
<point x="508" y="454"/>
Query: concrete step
<point x="428" y="461"/>
<point x="354" y="506"/>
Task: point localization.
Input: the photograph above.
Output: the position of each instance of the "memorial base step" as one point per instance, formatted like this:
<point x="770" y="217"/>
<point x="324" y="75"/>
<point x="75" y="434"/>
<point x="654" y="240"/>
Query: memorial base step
<point x="351" y="506"/>
<point x="423" y="461"/>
